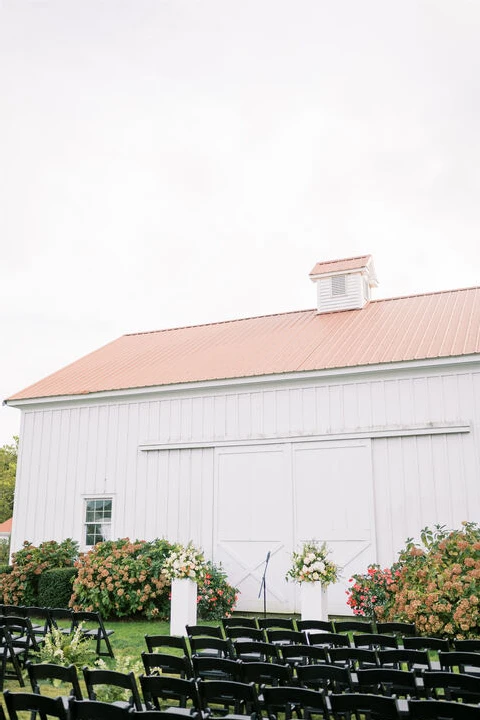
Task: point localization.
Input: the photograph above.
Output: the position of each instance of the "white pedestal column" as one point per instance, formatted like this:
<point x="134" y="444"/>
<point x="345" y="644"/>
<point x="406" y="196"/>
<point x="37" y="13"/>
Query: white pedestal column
<point x="183" y="605"/>
<point x="313" y="601"/>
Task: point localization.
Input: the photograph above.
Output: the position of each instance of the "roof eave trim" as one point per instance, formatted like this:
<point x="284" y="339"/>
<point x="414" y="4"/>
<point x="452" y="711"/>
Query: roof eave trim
<point x="457" y="360"/>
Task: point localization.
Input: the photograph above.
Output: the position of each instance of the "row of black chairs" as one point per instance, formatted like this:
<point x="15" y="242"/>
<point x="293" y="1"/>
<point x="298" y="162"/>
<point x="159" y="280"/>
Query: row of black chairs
<point x="346" y="634"/>
<point x="289" y="623"/>
<point x="237" y="700"/>
<point x="44" y="619"/>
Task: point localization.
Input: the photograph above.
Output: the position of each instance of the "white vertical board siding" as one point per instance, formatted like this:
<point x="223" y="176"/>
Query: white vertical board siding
<point x="176" y="497"/>
<point x="419" y="481"/>
<point x="92" y="449"/>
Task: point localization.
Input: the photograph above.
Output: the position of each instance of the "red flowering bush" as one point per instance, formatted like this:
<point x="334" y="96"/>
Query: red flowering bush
<point x="120" y="578"/>
<point x="20" y="586"/>
<point x="216" y="597"/>
<point x="369" y="591"/>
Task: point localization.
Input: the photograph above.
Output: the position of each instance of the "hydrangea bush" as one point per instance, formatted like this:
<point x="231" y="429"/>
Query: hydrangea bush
<point x="120" y="578"/>
<point x="435" y="584"/>
<point x="311" y="564"/>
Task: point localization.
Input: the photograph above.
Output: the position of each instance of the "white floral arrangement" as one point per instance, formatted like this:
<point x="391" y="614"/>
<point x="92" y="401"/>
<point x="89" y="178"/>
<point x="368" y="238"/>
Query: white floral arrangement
<point x="186" y="561"/>
<point x="311" y="564"/>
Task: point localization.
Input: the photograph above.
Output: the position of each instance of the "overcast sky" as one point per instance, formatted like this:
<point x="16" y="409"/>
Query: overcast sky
<point x="174" y="162"/>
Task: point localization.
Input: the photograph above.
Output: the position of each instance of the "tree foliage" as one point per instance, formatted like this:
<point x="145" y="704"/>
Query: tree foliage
<point x="8" y="469"/>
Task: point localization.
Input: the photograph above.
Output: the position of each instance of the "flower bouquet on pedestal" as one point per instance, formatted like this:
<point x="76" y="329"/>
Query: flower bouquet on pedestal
<point x="185" y="566"/>
<point x="314" y="571"/>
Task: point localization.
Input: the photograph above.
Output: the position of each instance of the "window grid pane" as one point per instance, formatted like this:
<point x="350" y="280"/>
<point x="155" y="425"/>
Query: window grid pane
<point x="98" y="516"/>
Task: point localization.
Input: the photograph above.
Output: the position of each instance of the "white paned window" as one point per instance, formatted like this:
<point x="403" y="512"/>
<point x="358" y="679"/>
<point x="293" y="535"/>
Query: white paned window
<point x="338" y="285"/>
<point x="98" y="520"/>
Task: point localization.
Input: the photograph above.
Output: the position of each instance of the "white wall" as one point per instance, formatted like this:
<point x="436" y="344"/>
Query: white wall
<point x="84" y="448"/>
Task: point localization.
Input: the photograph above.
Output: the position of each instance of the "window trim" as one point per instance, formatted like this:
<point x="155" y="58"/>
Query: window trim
<point x="93" y="497"/>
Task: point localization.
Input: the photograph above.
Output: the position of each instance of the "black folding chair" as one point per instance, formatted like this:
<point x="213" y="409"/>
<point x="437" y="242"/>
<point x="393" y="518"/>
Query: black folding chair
<point x="93" y="627"/>
<point x="165" y="643"/>
<point x="252" y="651"/>
<point x="458" y="661"/>
<point x="167" y="693"/>
<point x="286" y="636"/>
<point x="96" y="710"/>
<point x="451" y="686"/>
<point x="427" y="643"/>
<point x="214" y="631"/>
<point x="166" y="664"/>
<point x="276" y="623"/>
<point x="215" y="668"/>
<point x="329" y="678"/>
<point x="442" y="710"/>
<point x="39" y="673"/>
<point x="210" y="647"/>
<point x="301" y="701"/>
<point x="315" y="625"/>
<point x="375" y="641"/>
<point x="374" y="707"/>
<point x="22" y="635"/>
<point x="123" y="681"/>
<point x="220" y="698"/>
<point x="328" y="639"/>
<point x="266" y="674"/>
<point x="303" y="654"/>
<point x="354" y="658"/>
<point x="235" y="633"/>
<point x="238" y="621"/>
<point x="62" y="620"/>
<point x="40" y="619"/>
<point x="385" y="681"/>
<point x="397" y="628"/>
<point x="12" y="658"/>
<point x="405" y="659"/>
<point x="30" y="702"/>
<point x="354" y="626"/>
<point x="172" y="714"/>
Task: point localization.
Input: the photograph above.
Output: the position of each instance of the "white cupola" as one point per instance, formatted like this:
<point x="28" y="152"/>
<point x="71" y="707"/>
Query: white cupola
<point x="344" y="284"/>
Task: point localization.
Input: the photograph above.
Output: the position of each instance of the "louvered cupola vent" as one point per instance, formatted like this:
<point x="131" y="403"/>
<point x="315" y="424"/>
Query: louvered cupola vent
<point x="339" y="285"/>
<point x="344" y="284"/>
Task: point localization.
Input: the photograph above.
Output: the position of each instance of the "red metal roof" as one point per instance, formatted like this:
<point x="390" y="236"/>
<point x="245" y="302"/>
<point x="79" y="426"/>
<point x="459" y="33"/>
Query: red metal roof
<point x="353" y="263"/>
<point x="436" y="325"/>
<point x="6" y="527"/>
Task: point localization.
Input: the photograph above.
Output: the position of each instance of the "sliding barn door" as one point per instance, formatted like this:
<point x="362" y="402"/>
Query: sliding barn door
<point x="253" y="517"/>
<point x="333" y="490"/>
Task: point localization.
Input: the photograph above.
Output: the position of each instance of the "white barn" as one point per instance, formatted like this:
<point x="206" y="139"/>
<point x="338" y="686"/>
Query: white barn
<point x="357" y="422"/>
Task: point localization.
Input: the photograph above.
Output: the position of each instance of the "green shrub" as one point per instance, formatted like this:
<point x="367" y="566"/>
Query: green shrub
<point x="5" y="569"/>
<point x="120" y="578"/>
<point x="55" y="587"/>
<point x="20" y="586"/>
<point x="216" y="597"/>
<point x="62" y="649"/>
<point x="4" y="551"/>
